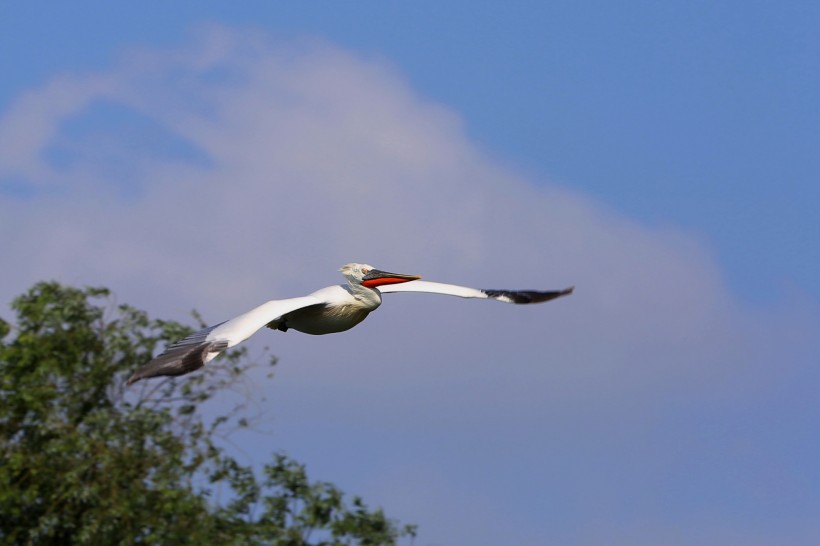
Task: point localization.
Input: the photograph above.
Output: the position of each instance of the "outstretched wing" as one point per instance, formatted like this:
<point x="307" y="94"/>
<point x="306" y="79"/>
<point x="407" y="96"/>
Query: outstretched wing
<point x="507" y="296"/>
<point x="194" y="351"/>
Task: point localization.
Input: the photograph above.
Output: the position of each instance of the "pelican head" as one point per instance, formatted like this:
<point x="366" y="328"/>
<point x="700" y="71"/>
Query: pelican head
<point x="369" y="276"/>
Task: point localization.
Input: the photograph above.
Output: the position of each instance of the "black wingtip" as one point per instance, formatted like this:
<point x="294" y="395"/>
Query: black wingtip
<point x="527" y="296"/>
<point x="178" y="360"/>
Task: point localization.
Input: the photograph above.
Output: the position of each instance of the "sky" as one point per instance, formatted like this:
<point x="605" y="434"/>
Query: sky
<point x="661" y="157"/>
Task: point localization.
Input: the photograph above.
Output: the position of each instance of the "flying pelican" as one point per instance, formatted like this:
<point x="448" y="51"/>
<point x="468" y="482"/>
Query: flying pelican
<point x="326" y="311"/>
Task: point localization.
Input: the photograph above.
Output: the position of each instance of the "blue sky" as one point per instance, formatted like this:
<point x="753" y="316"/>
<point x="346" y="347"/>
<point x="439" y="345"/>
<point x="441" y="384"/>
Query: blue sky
<point x="696" y="114"/>
<point x="660" y="156"/>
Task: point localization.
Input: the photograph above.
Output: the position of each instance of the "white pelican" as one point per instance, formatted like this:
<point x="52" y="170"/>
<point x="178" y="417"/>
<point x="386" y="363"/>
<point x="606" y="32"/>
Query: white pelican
<point x="326" y="311"/>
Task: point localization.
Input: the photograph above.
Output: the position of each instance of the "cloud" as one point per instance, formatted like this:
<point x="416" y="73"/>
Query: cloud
<point x="236" y="169"/>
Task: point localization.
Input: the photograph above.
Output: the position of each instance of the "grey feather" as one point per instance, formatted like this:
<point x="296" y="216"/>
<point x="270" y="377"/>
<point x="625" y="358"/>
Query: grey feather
<point x="182" y="357"/>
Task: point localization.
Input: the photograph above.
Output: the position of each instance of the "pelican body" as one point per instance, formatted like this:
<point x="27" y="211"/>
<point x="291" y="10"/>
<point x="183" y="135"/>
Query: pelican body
<point x="326" y="311"/>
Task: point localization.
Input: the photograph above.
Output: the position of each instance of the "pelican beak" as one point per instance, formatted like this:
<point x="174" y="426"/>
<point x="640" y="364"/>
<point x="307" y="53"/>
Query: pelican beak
<point x="376" y="278"/>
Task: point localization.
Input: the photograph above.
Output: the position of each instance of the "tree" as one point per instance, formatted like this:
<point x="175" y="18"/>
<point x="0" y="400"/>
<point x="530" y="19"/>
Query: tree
<point x="83" y="461"/>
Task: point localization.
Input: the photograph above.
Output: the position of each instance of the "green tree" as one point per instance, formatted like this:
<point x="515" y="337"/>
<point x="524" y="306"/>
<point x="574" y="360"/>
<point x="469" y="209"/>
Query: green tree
<point x="85" y="461"/>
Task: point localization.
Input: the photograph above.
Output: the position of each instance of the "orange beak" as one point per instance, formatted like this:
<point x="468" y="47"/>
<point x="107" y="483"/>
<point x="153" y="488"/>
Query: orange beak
<point x="379" y="278"/>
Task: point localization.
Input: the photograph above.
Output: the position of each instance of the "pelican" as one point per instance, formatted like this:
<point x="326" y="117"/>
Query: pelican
<point x="326" y="311"/>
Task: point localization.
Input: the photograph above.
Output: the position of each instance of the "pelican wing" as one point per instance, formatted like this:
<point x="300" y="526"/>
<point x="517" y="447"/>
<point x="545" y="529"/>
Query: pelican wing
<point x="507" y="296"/>
<point x="194" y="351"/>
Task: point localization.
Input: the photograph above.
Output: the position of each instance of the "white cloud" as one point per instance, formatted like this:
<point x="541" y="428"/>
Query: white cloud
<point x="316" y="157"/>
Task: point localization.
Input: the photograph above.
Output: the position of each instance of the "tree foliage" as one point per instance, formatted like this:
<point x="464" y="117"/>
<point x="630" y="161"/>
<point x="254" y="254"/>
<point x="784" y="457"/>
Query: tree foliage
<point x="84" y="461"/>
